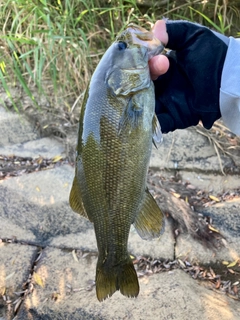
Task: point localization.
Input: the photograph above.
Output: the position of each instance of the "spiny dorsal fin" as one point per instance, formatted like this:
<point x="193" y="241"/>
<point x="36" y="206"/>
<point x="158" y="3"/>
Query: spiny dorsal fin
<point x="149" y="222"/>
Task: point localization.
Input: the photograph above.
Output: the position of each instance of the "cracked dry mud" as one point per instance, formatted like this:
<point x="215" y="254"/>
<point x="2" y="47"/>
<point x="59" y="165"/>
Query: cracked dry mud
<point x="48" y="253"/>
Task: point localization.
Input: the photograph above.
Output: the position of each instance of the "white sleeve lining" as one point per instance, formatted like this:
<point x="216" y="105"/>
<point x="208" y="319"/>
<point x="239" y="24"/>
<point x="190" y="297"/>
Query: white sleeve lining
<point x="230" y="87"/>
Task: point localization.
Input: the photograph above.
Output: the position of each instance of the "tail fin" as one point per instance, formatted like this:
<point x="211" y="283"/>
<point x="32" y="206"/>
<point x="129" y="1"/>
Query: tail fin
<point x="122" y="277"/>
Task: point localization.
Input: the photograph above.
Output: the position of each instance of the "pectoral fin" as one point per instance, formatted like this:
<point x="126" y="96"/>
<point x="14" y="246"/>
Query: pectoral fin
<point x="75" y="200"/>
<point x="157" y="133"/>
<point x="132" y="113"/>
<point x="149" y="223"/>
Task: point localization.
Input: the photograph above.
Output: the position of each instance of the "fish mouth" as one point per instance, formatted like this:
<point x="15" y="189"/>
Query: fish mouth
<point x="154" y="51"/>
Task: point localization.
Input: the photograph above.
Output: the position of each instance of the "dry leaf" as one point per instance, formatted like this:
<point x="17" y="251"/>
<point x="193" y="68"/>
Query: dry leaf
<point x="181" y="263"/>
<point x="74" y="256"/>
<point x="190" y="186"/>
<point x="232" y="264"/>
<point x="235" y="290"/>
<point x="177" y="195"/>
<point x="38" y="279"/>
<point x="212" y="272"/>
<point x="10" y="275"/>
<point x="39" y="160"/>
<point x="56" y="158"/>
<point x="218" y="283"/>
<point x="231" y="271"/>
<point x="54" y="296"/>
<point x="214" y="198"/>
<point x="2" y="291"/>
<point x="225" y="263"/>
<point x="17" y="304"/>
<point x="212" y="229"/>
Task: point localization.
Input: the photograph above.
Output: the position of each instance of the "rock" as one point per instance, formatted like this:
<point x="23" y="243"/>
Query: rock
<point x="38" y="214"/>
<point x="35" y="213"/>
<point x="189" y="151"/>
<point x="15" y="128"/>
<point x="45" y="147"/>
<point x="31" y="203"/>
<point x="69" y="293"/>
<point x="12" y="230"/>
<point x="226" y="219"/>
<point x="15" y="266"/>
<point x="163" y="247"/>
<point x="40" y="187"/>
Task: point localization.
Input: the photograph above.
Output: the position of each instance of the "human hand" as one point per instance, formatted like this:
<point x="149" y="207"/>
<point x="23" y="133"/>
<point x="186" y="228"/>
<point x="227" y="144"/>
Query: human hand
<point x="187" y="91"/>
<point x="159" y="64"/>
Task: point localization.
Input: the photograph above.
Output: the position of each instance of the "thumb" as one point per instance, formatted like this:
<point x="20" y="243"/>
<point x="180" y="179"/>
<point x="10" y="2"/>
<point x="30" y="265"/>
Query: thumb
<point x="160" y="31"/>
<point x="159" y="64"/>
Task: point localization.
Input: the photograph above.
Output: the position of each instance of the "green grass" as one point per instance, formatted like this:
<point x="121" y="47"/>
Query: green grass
<point x="51" y="48"/>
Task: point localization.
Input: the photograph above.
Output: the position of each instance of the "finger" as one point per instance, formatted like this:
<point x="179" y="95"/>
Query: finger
<point x="158" y="65"/>
<point x="160" y="31"/>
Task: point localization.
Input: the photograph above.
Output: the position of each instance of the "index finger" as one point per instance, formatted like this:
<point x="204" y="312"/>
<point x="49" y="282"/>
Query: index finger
<point x="158" y="65"/>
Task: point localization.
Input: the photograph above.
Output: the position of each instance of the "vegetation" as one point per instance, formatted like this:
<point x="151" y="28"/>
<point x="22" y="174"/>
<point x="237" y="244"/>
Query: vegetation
<point x="51" y="48"/>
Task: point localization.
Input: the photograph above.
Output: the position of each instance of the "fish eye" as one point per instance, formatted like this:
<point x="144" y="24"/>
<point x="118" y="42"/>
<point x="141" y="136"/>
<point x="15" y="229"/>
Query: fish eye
<point x="122" y="45"/>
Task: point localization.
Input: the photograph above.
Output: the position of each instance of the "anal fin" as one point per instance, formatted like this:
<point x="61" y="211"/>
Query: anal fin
<point x="149" y="223"/>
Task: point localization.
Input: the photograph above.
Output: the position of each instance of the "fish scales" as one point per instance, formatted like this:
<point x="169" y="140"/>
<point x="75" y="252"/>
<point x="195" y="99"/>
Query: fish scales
<point x="114" y="147"/>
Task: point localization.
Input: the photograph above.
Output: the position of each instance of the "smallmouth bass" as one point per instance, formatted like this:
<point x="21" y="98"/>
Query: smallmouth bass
<point x="116" y="129"/>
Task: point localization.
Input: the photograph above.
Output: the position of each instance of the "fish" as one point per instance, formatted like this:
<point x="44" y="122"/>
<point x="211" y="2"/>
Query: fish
<point x="117" y="127"/>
